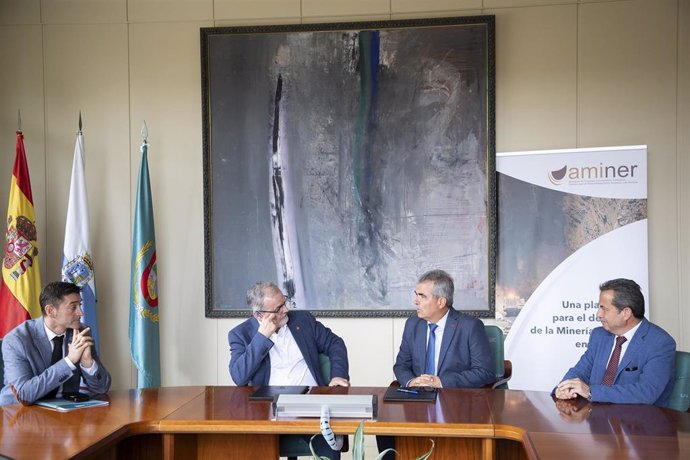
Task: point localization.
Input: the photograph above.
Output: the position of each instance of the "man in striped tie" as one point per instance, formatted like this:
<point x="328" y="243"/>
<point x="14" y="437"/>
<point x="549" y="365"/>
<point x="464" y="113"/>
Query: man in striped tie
<point x="629" y="359"/>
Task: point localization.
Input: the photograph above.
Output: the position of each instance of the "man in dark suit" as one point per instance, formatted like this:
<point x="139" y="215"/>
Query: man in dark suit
<point x="440" y="347"/>
<point x="628" y="359"/>
<point x="460" y="356"/>
<point x="281" y="347"/>
<point x="35" y="368"/>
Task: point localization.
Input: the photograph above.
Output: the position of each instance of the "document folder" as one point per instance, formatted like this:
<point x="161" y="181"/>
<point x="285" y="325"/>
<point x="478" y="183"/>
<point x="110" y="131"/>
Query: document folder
<point x="268" y="393"/>
<point x="62" y="405"/>
<point x="401" y="394"/>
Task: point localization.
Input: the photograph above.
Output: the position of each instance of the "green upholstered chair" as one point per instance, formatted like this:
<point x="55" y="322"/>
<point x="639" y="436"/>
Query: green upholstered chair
<point x="502" y="368"/>
<point x="680" y="397"/>
<point x="294" y="446"/>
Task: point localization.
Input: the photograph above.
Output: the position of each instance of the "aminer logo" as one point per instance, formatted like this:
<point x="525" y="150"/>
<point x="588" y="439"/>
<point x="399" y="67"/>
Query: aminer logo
<point x="592" y="173"/>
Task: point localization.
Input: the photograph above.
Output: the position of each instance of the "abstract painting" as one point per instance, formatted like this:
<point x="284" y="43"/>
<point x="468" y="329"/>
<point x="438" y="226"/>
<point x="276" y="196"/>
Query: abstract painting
<point x="342" y="161"/>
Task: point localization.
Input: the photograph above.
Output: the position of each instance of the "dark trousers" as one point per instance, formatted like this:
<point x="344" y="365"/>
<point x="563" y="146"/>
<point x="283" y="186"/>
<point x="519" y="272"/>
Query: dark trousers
<point x="386" y="442"/>
<point x="321" y="447"/>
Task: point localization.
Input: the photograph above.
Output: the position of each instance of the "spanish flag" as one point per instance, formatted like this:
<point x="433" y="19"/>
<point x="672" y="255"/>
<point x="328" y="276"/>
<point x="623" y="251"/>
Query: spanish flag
<point x="21" y="275"/>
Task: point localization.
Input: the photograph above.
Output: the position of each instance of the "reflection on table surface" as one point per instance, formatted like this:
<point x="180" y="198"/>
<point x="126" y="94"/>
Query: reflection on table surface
<point x="539" y="425"/>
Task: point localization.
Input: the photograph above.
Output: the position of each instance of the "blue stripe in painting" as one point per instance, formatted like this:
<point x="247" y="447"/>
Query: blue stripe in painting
<point x="366" y="189"/>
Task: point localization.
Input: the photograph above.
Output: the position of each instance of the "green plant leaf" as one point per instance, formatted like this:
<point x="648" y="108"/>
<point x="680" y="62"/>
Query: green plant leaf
<point x="358" y="443"/>
<point x="313" y="453"/>
<point x="382" y="454"/>
<point x="428" y="454"/>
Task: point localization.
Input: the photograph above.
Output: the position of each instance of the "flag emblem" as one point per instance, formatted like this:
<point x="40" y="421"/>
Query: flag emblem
<point x="19" y="249"/>
<point x="78" y="270"/>
<point x="149" y="283"/>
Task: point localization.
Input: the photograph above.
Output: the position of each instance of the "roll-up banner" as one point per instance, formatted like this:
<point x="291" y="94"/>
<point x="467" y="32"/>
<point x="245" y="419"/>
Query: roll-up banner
<point x="568" y="221"/>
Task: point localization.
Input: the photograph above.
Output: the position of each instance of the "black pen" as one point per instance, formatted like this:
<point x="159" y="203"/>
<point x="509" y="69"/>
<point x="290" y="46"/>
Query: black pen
<point x="405" y="390"/>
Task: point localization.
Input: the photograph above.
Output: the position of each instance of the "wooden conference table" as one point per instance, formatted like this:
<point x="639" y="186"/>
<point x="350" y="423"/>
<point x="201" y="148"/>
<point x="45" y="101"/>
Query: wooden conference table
<point x="220" y="422"/>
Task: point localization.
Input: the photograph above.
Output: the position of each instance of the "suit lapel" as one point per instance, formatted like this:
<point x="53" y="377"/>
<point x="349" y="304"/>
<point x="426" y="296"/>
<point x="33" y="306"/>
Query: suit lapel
<point x="40" y="339"/>
<point x="634" y="347"/>
<point x="298" y="334"/>
<point x="448" y="333"/>
<point x="602" y="357"/>
<point x="419" y="349"/>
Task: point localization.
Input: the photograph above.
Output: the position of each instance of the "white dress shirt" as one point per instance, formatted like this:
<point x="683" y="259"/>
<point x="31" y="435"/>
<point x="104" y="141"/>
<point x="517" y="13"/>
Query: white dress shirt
<point x="288" y="366"/>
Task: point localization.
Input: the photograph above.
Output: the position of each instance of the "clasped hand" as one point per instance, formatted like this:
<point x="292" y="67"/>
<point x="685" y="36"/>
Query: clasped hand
<point x="79" y="350"/>
<point x="426" y="380"/>
<point x="571" y="388"/>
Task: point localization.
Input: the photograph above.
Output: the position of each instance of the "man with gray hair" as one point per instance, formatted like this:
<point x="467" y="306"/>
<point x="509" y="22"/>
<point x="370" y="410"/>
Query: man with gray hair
<point x="442" y="347"/>
<point x="277" y="346"/>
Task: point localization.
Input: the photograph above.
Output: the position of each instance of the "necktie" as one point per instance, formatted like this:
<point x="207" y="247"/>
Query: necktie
<point x="612" y="368"/>
<point x="431" y="351"/>
<point x="55" y="357"/>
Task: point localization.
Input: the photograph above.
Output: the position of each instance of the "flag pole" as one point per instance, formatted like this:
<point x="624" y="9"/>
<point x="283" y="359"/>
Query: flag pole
<point x="79" y="122"/>
<point x="19" y="120"/>
<point x="144" y="334"/>
<point x="144" y="133"/>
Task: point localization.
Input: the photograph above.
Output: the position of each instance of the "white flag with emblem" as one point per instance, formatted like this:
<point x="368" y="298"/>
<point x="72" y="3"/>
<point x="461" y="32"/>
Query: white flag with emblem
<point x="77" y="261"/>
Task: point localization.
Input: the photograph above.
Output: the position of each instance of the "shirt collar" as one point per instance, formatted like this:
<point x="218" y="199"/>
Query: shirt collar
<point x="629" y="335"/>
<point x="51" y="335"/>
<point x="441" y="323"/>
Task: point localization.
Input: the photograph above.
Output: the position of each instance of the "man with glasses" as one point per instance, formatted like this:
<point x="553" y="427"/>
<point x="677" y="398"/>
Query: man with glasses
<point x="265" y="352"/>
<point x="277" y="346"/>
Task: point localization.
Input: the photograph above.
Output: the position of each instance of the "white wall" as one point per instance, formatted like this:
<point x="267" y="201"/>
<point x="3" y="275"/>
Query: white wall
<point x="568" y="74"/>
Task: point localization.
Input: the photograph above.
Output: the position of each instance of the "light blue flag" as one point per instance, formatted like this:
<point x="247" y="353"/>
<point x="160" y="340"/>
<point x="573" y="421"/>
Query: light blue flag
<point x="77" y="261"/>
<point x="143" y="313"/>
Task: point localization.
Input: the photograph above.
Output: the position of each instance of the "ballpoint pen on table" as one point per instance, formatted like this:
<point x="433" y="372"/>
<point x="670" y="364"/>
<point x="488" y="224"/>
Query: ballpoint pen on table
<point x="405" y="390"/>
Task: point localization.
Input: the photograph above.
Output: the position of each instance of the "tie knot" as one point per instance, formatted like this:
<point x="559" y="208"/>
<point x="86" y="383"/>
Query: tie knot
<point x="432" y="327"/>
<point x="620" y="340"/>
<point x="57" y="340"/>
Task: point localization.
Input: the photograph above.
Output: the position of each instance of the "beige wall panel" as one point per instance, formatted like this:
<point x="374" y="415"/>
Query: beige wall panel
<point x="83" y="11"/>
<point x="627" y="95"/>
<point x="256" y="9"/>
<point x="257" y="22"/>
<point x="20" y="11"/>
<point x="436" y="14"/>
<point x="536" y="77"/>
<point x="86" y="69"/>
<point x="22" y="89"/>
<point x="398" y="328"/>
<point x="328" y="19"/>
<point x="166" y="92"/>
<point x="368" y="342"/>
<point x="330" y="8"/>
<point x="169" y="10"/>
<point x="524" y="3"/>
<point x="225" y="325"/>
<point x="684" y="172"/>
<point x="415" y="6"/>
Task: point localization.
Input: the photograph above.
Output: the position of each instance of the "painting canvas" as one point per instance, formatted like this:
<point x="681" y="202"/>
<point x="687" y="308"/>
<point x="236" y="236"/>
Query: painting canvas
<point x="342" y="161"/>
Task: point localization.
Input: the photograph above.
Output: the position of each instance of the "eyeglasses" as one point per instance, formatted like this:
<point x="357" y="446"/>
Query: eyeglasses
<point x="285" y="304"/>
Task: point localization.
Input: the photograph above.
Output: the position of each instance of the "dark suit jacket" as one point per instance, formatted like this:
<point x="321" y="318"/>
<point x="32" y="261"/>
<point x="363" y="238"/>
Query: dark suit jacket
<point x="27" y="352"/>
<point x="250" y="363"/>
<point x="646" y="373"/>
<point x="465" y="360"/>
